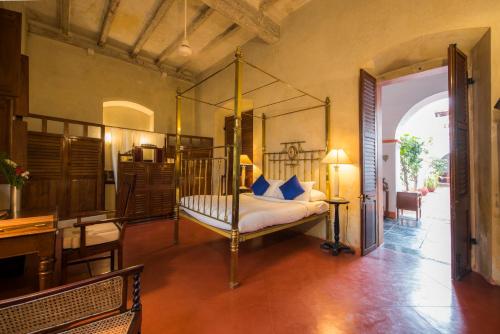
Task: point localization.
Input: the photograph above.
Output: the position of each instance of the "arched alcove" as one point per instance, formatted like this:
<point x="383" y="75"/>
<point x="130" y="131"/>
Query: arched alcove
<point x="127" y="114"/>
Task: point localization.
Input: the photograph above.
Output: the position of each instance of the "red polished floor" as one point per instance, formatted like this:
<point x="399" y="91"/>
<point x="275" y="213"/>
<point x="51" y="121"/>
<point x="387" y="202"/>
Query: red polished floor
<point x="289" y="286"/>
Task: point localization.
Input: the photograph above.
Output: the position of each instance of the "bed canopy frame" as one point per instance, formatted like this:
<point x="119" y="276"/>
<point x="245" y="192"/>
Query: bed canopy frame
<point x="190" y="169"/>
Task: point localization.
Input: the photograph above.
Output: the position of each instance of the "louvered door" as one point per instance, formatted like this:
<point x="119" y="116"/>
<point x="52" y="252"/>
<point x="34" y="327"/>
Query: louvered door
<point x="459" y="162"/>
<point x="368" y="164"/>
<point x="84" y="172"/>
<point x="45" y="161"/>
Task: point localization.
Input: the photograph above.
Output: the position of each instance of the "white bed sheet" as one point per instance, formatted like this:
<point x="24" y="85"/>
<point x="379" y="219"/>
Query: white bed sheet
<point x="256" y="212"/>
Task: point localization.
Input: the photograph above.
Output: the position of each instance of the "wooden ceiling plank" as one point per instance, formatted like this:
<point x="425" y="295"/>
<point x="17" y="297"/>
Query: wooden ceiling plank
<point x="64" y="15"/>
<point x="204" y="14"/>
<point x="151" y="26"/>
<point x="108" y="20"/>
<point x="248" y="17"/>
<point x="233" y="29"/>
<point x="47" y="31"/>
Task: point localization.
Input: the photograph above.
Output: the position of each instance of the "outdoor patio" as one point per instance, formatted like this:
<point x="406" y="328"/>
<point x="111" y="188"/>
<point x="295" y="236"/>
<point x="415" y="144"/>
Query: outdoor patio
<point x="430" y="238"/>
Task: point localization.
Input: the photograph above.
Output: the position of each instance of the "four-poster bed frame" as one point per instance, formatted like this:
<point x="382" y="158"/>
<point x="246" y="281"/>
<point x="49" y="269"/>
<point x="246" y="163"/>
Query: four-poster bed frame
<point x="194" y="175"/>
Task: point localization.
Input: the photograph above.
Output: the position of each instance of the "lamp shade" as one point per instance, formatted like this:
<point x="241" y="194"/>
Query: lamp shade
<point x="245" y="160"/>
<point x="336" y="156"/>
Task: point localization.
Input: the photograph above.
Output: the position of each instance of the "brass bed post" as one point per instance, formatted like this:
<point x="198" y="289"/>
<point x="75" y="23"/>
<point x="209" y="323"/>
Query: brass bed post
<point x="263" y="163"/>
<point x="235" y="234"/>
<point x="328" y="226"/>
<point x="177" y="165"/>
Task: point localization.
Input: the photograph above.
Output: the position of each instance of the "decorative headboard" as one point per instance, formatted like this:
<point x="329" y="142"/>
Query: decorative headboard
<point x="293" y="159"/>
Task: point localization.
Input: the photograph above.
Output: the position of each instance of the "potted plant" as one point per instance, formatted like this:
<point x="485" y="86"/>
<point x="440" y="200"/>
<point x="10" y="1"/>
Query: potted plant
<point x="411" y="151"/>
<point x="16" y="176"/>
<point x="431" y="183"/>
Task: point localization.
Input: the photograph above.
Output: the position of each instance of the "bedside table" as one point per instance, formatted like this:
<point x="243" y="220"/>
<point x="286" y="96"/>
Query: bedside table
<point x="336" y="246"/>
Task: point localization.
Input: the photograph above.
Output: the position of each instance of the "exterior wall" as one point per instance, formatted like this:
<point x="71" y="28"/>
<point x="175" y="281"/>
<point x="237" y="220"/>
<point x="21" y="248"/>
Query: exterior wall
<point x="323" y="46"/>
<point x="397" y="100"/>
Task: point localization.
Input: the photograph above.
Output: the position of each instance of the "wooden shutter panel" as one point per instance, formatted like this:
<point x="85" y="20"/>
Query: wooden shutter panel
<point x="459" y="162"/>
<point x="368" y="149"/>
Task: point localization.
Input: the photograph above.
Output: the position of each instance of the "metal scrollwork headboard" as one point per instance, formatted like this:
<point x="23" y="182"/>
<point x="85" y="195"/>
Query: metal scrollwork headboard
<point x="293" y="159"/>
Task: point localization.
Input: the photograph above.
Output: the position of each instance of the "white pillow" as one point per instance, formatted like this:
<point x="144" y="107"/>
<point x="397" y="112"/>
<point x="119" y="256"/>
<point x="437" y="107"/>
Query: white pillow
<point x="306" y="195"/>
<point x="274" y="189"/>
<point x="317" y="195"/>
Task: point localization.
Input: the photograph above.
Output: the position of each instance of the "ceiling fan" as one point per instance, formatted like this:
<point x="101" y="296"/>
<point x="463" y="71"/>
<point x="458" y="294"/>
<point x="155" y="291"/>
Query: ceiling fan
<point x="185" y="49"/>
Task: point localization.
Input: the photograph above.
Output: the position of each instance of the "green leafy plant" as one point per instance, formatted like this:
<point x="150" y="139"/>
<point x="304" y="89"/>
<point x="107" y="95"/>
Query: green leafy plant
<point x="411" y="152"/>
<point x="431" y="183"/>
<point x="16" y="175"/>
<point x="439" y="166"/>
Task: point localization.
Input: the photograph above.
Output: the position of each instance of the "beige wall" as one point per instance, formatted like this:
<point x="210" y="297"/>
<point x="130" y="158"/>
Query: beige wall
<point x="65" y="81"/>
<point x="127" y="118"/>
<point x="324" y="45"/>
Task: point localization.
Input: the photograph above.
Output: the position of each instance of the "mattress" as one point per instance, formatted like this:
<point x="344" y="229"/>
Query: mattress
<point x="256" y="212"/>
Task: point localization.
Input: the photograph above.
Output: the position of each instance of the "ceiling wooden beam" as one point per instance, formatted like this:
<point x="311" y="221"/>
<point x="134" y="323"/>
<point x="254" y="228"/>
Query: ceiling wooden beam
<point x="151" y="26"/>
<point x="88" y="44"/>
<point x="197" y="22"/>
<point x="248" y="17"/>
<point x="233" y="29"/>
<point x="266" y="4"/>
<point x="108" y="19"/>
<point x="64" y="8"/>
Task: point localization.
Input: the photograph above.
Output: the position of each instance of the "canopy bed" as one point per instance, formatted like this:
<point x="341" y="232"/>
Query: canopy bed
<point x="203" y="194"/>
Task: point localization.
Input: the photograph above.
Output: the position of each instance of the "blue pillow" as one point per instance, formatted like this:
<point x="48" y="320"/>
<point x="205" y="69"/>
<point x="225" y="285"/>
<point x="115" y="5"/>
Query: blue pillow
<point x="291" y="188"/>
<point x="260" y="186"/>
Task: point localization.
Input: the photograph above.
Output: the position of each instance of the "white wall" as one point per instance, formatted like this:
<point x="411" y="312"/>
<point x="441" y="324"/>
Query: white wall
<point x="397" y="100"/>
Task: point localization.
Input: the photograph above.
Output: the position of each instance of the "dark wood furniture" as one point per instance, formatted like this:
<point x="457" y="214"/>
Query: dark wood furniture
<point x="154" y="191"/>
<point x="409" y="200"/>
<point x="95" y="305"/>
<point x="112" y="233"/>
<point x="66" y="166"/>
<point x="14" y="81"/>
<point x="246" y="143"/>
<point x="336" y="247"/>
<point x="31" y="234"/>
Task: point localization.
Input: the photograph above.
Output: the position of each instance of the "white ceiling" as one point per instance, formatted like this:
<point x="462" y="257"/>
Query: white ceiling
<point x="217" y="36"/>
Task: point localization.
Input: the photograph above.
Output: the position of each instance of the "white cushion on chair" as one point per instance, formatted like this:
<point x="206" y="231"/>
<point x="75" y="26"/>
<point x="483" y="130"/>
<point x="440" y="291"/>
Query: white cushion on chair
<point x="95" y="234"/>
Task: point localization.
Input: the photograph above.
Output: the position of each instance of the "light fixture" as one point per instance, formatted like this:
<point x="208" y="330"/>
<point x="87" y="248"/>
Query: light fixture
<point x="497" y="105"/>
<point x="244" y="161"/>
<point x="336" y="157"/>
<point x="107" y="137"/>
<point x="185" y="49"/>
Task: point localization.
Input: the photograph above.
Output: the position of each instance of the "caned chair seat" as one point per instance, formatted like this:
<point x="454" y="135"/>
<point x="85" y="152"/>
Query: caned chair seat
<point x="94" y="235"/>
<point x="118" y="324"/>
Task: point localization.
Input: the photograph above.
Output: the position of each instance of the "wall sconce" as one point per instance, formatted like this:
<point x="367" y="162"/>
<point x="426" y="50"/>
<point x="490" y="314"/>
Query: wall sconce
<point x="497" y="105"/>
<point x="108" y="138"/>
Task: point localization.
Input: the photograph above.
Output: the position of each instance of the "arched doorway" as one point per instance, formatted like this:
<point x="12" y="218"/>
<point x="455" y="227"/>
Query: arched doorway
<point x="127" y="114"/>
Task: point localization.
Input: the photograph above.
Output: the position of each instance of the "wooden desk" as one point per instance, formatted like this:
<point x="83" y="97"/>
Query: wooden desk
<point x="31" y="235"/>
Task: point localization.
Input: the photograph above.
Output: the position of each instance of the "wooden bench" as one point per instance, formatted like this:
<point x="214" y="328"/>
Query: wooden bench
<point x="95" y="305"/>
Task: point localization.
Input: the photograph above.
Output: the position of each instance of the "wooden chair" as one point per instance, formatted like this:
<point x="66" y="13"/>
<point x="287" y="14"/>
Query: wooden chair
<point x="92" y="235"/>
<point x="409" y="200"/>
<point x="94" y="305"/>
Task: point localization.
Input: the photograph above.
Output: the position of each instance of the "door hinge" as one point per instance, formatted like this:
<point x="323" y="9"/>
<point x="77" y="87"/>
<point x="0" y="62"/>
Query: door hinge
<point x="473" y="241"/>
<point x="470" y="81"/>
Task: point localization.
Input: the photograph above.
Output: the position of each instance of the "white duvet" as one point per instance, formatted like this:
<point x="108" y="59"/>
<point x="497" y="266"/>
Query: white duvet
<point x="256" y="212"/>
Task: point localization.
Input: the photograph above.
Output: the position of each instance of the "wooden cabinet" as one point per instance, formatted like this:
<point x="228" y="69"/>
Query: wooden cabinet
<point x="22" y="101"/>
<point x="154" y="193"/>
<point x="10" y="52"/>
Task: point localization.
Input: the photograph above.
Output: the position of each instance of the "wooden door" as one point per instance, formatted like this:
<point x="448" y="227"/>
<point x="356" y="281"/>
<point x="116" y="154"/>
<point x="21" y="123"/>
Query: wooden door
<point x="10" y="52"/>
<point x="459" y="162"/>
<point x="368" y="163"/>
<point x="84" y="175"/>
<point x="246" y="144"/>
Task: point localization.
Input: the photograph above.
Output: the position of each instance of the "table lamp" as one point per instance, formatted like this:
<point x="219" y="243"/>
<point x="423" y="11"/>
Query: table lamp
<point x="336" y="157"/>
<point x="244" y="161"/>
